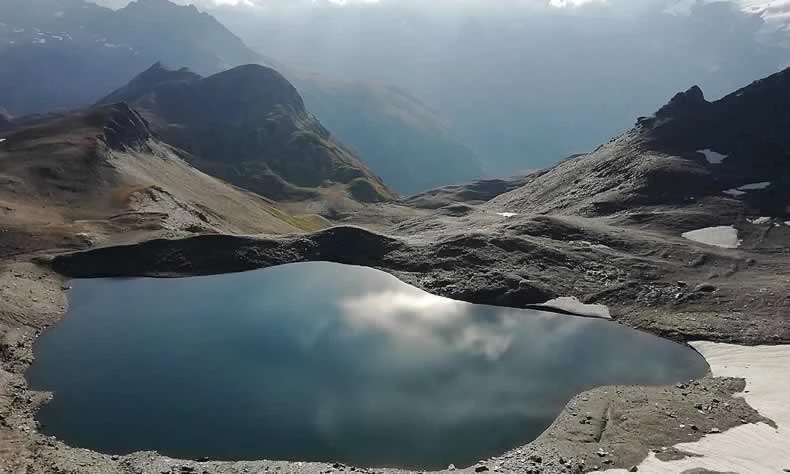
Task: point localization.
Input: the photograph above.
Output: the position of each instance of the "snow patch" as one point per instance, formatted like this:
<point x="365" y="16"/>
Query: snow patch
<point x="787" y="223"/>
<point x="722" y="236"/>
<point x="755" y="186"/>
<point x="572" y="304"/>
<point x="752" y="448"/>
<point x="39" y="40"/>
<point x="760" y="220"/>
<point x="506" y="214"/>
<point x="734" y="192"/>
<point x="2" y="140"/>
<point x="713" y="157"/>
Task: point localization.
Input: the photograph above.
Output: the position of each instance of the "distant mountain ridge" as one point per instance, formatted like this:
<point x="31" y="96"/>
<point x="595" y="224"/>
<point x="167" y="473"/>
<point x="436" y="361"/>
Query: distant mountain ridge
<point x="523" y="83"/>
<point x="60" y="55"/>
<point x="249" y="126"/>
<point x="407" y="144"/>
<point x="66" y="54"/>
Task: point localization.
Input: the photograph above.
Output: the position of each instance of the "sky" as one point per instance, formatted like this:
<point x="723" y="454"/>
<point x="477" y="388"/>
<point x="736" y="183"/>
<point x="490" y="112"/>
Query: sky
<point x="776" y="11"/>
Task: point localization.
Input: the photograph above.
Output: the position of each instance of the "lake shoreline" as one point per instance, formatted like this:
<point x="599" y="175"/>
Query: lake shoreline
<point x="559" y="449"/>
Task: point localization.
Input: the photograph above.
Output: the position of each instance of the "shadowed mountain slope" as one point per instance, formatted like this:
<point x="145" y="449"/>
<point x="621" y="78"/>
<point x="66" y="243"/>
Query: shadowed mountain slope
<point x="249" y="126"/>
<point x="732" y="154"/>
<point x="72" y="180"/>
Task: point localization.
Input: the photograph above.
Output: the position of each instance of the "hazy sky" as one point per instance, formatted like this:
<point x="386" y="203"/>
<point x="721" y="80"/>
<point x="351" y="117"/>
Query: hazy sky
<point x="524" y="82"/>
<point x="773" y="10"/>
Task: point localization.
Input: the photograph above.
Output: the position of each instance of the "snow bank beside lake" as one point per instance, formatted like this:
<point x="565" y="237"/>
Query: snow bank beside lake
<point x="573" y="305"/>
<point x="722" y="236"/>
<point x="734" y="192"/>
<point x="753" y="448"/>
<point x="760" y="220"/>
<point x="755" y="186"/>
<point x="713" y="157"/>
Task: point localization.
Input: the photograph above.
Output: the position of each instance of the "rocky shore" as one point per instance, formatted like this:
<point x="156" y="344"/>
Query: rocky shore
<point x="667" y="286"/>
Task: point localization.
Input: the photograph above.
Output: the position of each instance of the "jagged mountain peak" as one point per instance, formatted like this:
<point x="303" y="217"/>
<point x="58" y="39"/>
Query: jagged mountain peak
<point x="682" y="103"/>
<point x="733" y="152"/>
<point x="159" y="73"/>
<point x="262" y="84"/>
<point x="158" y="4"/>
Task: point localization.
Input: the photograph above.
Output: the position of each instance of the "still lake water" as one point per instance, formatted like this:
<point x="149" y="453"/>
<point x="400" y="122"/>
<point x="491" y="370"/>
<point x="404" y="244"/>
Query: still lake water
<point x="326" y="362"/>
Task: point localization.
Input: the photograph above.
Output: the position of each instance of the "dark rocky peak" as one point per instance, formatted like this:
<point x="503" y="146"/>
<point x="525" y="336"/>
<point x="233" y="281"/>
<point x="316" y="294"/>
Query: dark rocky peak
<point x="751" y="121"/>
<point x="159" y="74"/>
<point x="772" y="89"/>
<point x="748" y="132"/>
<point x="122" y="126"/>
<point x="255" y="85"/>
<point x="150" y="81"/>
<point x="167" y="11"/>
<point x="683" y="103"/>
<point x="246" y="92"/>
<point x="155" y="5"/>
<point x="247" y="125"/>
<point x="179" y="34"/>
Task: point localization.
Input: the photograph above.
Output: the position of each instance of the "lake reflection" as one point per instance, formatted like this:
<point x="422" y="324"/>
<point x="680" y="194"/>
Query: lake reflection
<point x="320" y="361"/>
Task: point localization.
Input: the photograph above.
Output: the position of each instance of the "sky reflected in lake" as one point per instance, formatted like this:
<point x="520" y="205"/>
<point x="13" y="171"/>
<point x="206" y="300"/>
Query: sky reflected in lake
<point x="319" y="361"/>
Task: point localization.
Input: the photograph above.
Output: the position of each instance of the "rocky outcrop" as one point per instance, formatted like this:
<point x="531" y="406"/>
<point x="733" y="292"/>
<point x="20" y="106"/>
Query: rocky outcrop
<point x="163" y="257"/>
<point x="683" y="104"/>
<point x="122" y="127"/>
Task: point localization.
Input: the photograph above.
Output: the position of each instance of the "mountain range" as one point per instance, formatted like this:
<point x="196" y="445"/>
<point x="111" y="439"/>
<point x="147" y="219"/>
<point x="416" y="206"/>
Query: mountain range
<point x="65" y="55"/>
<point x="524" y="83"/>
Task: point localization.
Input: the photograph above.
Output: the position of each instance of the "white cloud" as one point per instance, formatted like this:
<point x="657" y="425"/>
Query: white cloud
<point x="573" y="3"/>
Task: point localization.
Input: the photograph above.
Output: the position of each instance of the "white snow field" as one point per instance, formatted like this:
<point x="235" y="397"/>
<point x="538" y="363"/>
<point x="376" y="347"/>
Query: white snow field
<point x="747" y="449"/>
<point x="572" y="304"/>
<point x="725" y="236"/>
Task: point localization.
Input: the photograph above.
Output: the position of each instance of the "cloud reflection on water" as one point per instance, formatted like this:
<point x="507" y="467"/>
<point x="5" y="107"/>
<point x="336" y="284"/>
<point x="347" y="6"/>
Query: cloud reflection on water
<point x="419" y="317"/>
